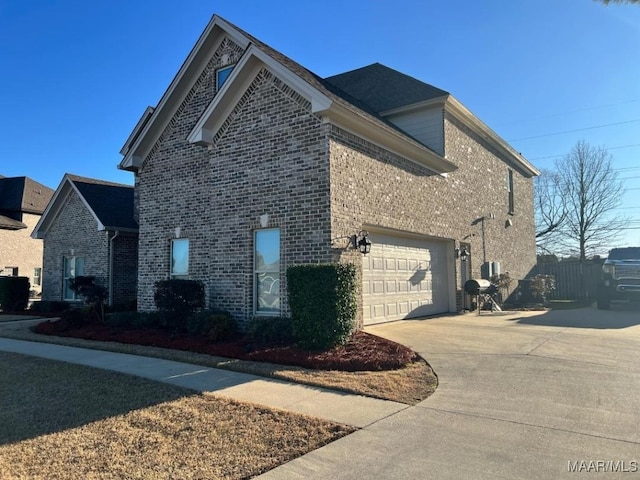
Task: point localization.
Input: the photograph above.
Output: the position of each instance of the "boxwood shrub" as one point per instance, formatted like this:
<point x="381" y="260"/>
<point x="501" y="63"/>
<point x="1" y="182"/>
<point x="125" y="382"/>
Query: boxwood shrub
<point x="177" y="299"/>
<point x="14" y="293"/>
<point x="323" y="304"/>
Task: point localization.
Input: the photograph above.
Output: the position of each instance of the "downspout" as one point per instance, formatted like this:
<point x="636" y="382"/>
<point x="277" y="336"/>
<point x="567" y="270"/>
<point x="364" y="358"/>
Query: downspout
<point x="116" y="233"/>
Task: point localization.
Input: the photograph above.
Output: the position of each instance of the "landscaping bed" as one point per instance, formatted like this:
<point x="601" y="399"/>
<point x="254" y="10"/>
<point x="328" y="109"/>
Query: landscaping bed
<point x="363" y="352"/>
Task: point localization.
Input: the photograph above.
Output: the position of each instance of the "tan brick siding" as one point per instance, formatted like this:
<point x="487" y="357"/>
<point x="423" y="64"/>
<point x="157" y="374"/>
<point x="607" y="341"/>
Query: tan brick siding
<point x="18" y="249"/>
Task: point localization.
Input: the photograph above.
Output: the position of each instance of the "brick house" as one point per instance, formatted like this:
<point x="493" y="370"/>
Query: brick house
<point x="89" y="229"/>
<point x="22" y="201"/>
<point x="250" y="163"/>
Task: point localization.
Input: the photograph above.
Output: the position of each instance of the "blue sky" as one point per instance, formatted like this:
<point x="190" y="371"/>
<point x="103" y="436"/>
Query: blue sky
<point x="76" y="75"/>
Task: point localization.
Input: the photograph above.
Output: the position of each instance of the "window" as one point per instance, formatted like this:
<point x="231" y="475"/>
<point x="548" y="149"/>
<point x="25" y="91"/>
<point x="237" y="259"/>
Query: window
<point x="267" y="271"/>
<point x="180" y="257"/>
<point x="221" y="76"/>
<point x="9" y="271"/>
<point x="73" y="267"/>
<point x="510" y="190"/>
<point x="37" y="276"/>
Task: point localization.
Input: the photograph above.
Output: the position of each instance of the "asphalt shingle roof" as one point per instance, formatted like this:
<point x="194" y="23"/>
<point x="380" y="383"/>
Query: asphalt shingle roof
<point x="382" y="88"/>
<point x="21" y="194"/>
<point x="111" y="202"/>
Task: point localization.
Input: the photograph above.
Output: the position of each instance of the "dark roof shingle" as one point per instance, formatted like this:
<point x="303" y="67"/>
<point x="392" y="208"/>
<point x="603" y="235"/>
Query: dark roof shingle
<point x="382" y="88"/>
<point x="111" y="202"/>
<point x="22" y="194"/>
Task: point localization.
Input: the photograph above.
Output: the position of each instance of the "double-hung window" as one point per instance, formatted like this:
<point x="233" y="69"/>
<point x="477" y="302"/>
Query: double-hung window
<point x="72" y="267"/>
<point x="37" y="276"/>
<point x="180" y="258"/>
<point x="267" y="271"/>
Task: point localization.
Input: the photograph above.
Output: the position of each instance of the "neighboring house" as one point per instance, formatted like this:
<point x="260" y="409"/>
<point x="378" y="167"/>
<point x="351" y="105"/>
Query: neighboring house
<point x="89" y="229"/>
<point x="22" y="202"/>
<point x="250" y="163"/>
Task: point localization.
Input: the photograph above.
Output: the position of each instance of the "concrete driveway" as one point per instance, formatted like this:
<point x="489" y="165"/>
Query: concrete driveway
<point x="525" y="395"/>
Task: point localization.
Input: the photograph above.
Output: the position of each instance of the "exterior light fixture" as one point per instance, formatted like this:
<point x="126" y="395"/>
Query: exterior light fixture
<point x="462" y="254"/>
<point x="362" y="242"/>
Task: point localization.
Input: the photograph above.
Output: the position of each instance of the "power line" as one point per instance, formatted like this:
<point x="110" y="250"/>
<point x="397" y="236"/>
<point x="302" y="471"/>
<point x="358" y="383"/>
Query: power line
<point x="559" y="114"/>
<point x="576" y="130"/>
<point x="608" y="148"/>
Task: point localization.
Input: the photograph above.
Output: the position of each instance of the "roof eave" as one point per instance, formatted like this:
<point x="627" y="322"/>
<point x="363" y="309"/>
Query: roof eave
<point x="461" y="112"/>
<point x="389" y="139"/>
<point x="179" y="87"/>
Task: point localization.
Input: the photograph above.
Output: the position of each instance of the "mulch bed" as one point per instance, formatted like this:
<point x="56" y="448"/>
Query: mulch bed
<point x="363" y="352"/>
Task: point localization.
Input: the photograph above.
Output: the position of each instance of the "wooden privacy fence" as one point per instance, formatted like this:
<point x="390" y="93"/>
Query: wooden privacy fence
<point x="574" y="280"/>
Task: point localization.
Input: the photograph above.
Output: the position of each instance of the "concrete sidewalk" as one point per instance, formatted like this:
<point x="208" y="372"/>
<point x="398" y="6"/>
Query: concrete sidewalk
<point x="355" y="410"/>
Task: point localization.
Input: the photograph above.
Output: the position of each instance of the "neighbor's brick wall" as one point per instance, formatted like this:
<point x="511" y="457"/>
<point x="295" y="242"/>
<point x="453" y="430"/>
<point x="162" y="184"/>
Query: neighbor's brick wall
<point x="125" y="269"/>
<point x="269" y="158"/>
<point x="18" y="249"/>
<point x="74" y="229"/>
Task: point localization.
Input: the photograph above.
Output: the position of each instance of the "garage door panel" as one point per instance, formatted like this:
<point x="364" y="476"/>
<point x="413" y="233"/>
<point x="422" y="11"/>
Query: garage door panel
<point x="405" y="278"/>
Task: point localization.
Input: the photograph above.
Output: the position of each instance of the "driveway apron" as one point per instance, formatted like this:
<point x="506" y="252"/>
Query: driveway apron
<point x="539" y="395"/>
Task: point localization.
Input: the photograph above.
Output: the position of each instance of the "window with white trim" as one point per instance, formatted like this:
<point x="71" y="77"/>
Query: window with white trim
<point x="267" y="271"/>
<point x="37" y="276"/>
<point x="179" y="257"/>
<point x="72" y="267"/>
<point x="221" y="76"/>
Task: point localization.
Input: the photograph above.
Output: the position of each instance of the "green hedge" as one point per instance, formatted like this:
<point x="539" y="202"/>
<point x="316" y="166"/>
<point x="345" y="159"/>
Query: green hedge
<point x="14" y="293"/>
<point x="323" y="304"/>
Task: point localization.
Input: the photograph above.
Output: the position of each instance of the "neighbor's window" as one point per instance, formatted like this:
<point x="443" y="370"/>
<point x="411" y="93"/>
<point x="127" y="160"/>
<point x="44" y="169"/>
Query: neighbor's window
<point x="72" y="267"/>
<point x="221" y="76"/>
<point x="37" y="276"/>
<point x="180" y="257"/>
<point x="267" y="271"/>
<point x="510" y="190"/>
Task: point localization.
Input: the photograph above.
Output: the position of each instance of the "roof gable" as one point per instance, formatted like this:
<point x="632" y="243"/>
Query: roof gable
<point x="110" y="204"/>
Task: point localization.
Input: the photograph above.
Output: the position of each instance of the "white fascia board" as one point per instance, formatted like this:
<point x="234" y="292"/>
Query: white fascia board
<point x="192" y="67"/>
<point x="236" y="85"/>
<point x="463" y="114"/>
<point x="438" y="101"/>
<point x="136" y="130"/>
<point x="52" y="210"/>
<point x="389" y="140"/>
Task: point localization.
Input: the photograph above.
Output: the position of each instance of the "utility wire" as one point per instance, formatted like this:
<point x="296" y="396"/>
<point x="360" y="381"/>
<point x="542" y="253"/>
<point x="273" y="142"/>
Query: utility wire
<point x="608" y="148"/>
<point x="576" y="130"/>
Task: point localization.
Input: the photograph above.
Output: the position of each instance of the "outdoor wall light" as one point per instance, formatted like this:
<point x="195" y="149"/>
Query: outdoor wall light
<point x="462" y="254"/>
<point x="362" y="242"/>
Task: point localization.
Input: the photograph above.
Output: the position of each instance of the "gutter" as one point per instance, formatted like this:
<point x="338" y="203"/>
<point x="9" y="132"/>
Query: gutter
<point x="111" y="257"/>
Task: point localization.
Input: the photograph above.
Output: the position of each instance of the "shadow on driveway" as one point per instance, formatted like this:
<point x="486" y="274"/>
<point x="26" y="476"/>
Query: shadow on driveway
<point x="621" y="315"/>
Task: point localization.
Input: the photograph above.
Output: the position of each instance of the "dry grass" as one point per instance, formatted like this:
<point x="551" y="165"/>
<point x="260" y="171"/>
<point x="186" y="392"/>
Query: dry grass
<point x="66" y="421"/>
<point x="409" y="385"/>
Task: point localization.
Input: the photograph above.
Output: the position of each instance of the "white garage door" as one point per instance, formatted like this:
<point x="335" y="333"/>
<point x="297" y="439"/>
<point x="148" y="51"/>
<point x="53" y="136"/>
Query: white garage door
<point x="404" y="278"/>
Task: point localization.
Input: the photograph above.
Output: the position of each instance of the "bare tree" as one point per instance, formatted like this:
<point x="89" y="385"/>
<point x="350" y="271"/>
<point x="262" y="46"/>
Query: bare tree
<point x="592" y="192"/>
<point x="550" y="209"/>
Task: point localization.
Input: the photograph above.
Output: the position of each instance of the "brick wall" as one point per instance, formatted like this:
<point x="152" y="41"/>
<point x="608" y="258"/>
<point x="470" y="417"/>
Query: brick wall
<point x="18" y="249"/>
<point x="74" y="233"/>
<point x="270" y="158"/>
<point x="371" y="186"/>
<point x="125" y="269"/>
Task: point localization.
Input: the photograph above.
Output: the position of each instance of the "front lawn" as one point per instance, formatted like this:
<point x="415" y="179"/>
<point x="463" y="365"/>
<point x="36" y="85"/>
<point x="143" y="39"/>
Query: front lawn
<point x="66" y="421"/>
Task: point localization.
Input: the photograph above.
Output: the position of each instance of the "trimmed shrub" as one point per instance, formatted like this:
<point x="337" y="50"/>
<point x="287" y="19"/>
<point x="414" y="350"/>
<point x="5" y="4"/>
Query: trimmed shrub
<point x="271" y="330"/>
<point x="121" y="319"/>
<point x="323" y="304"/>
<point x="75" y="317"/>
<point x="14" y="293"/>
<point x="49" y="307"/>
<point x="216" y="325"/>
<point x="93" y="294"/>
<point x="177" y="299"/>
